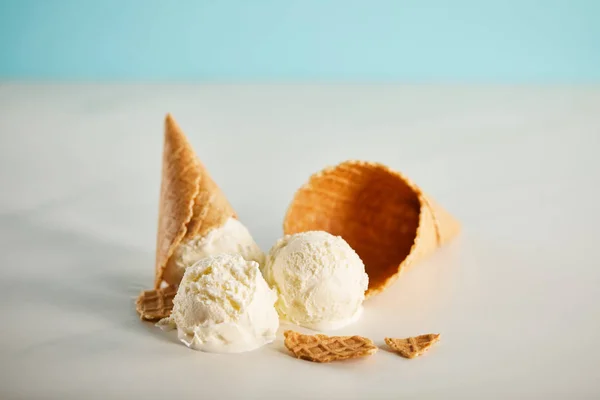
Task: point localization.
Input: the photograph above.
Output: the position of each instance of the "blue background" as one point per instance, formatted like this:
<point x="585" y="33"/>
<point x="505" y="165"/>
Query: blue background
<point x="407" y="41"/>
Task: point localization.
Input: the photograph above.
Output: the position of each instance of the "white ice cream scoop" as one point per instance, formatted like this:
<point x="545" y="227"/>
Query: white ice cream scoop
<point x="224" y="305"/>
<point x="232" y="237"/>
<point x="319" y="278"/>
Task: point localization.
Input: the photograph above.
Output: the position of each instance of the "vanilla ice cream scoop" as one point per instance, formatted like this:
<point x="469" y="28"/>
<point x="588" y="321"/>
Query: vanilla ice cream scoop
<point x="232" y="237"/>
<point x="319" y="278"/>
<point x="224" y="305"/>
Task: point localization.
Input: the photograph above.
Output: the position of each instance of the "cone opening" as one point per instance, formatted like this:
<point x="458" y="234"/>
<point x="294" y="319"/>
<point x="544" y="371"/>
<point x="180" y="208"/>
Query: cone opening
<point x="371" y="207"/>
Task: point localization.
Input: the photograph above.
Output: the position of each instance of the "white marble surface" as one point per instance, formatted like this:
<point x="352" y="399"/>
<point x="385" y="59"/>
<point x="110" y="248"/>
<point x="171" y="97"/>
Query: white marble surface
<point x="516" y="298"/>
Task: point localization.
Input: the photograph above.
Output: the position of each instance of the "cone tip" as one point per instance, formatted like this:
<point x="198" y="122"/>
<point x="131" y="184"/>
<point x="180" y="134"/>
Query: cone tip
<point x="172" y="129"/>
<point x="170" y="121"/>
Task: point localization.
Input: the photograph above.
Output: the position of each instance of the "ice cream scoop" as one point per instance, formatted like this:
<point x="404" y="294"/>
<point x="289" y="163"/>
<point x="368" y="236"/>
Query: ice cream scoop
<point x="232" y="237"/>
<point x="319" y="279"/>
<point x="224" y="305"/>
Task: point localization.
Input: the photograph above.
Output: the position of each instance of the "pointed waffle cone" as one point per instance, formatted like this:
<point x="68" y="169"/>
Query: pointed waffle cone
<point x="191" y="203"/>
<point x="156" y="304"/>
<point x="413" y="346"/>
<point x="323" y="349"/>
<point x="384" y="216"/>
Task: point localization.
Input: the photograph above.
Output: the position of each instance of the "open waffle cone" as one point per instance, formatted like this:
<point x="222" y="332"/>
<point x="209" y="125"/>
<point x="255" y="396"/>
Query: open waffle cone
<point x="321" y="348"/>
<point x="383" y="216"/>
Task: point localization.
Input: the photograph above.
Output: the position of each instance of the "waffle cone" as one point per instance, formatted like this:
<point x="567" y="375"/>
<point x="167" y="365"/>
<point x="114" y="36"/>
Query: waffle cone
<point x="384" y="216"/>
<point x="191" y="203"/>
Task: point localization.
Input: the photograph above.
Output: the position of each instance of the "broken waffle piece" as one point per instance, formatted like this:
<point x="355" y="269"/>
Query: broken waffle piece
<point x="155" y="304"/>
<point x="323" y="348"/>
<point x="413" y="346"/>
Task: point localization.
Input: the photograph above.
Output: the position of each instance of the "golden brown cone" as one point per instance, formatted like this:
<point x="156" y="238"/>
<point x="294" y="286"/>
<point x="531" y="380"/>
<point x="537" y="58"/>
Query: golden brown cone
<point x="382" y="214"/>
<point x="190" y="202"/>
<point x="211" y="207"/>
<point x="413" y="346"/>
